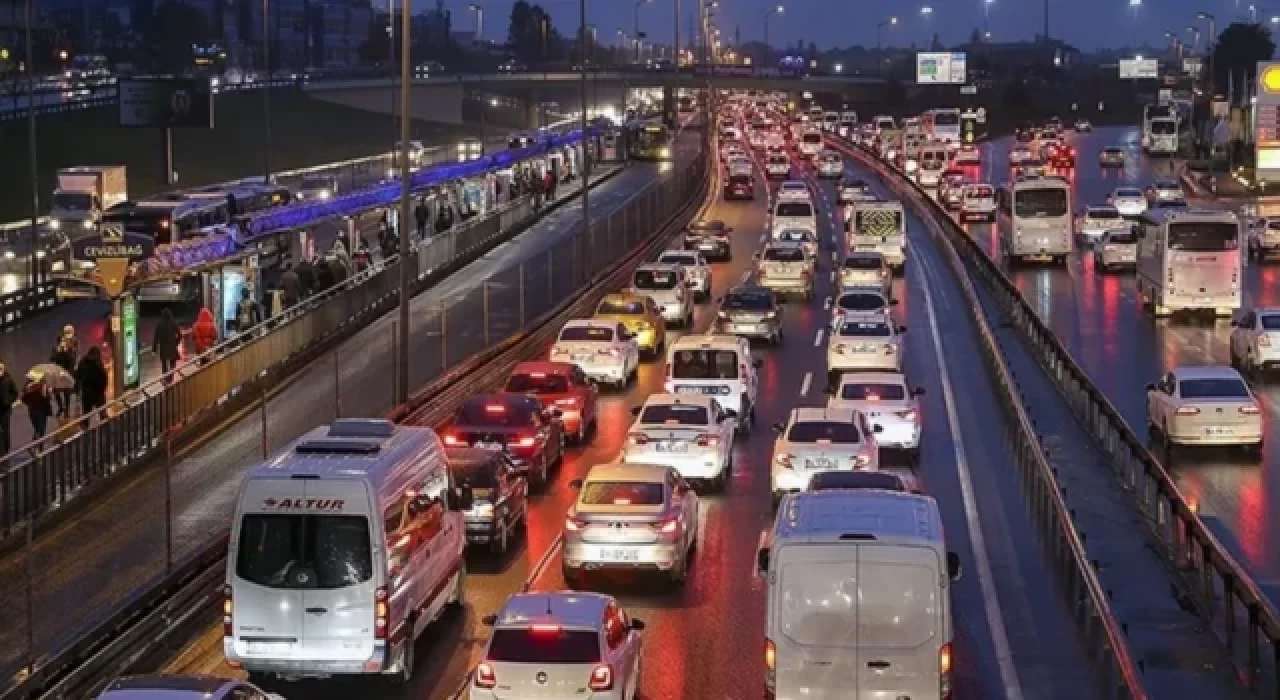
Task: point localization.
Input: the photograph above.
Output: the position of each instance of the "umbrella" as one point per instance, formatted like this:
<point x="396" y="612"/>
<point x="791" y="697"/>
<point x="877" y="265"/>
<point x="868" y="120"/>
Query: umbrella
<point x="55" y="375"/>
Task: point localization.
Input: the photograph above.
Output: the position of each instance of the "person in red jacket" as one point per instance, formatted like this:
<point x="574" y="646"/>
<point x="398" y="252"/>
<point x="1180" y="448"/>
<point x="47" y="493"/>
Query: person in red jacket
<point x="204" y="333"/>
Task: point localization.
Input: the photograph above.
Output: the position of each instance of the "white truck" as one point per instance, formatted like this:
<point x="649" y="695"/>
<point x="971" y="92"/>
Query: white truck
<point x="84" y="193"/>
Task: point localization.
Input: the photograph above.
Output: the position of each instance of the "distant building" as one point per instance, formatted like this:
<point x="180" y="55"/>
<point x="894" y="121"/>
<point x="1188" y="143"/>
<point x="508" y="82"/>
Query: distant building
<point x="305" y="34"/>
<point x="1003" y="59"/>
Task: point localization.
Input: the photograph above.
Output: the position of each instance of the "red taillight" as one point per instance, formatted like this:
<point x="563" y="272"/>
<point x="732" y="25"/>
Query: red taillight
<point x="527" y="441"/>
<point x="381" y="613"/>
<point x="637" y="438"/>
<point x="452" y="440"/>
<point x="944" y="671"/>
<point x="708" y="441"/>
<point x="667" y="527"/>
<point x="770" y="666"/>
<point x="601" y="678"/>
<point x="485" y="677"/>
<point x="573" y="524"/>
<point x="1250" y="410"/>
<point x="909" y="415"/>
<point x="1188" y="411"/>
<point x="228" y="606"/>
<point x="571" y="402"/>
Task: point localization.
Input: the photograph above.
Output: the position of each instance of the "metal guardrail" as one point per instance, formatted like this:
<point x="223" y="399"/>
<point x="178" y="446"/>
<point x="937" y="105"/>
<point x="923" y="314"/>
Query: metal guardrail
<point x="601" y="259"/>
<point x="1102" y="634"/>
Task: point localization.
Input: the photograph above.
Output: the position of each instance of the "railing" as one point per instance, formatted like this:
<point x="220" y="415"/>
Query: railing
<point x="1102" y="634"/>
<point x="181" y="555"/>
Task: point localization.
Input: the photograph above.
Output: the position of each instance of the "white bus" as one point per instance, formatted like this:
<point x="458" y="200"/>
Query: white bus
<point x="880" y="227"/>
<point x="1034" y="216"/>
<point x="1189" y="260"/>
<point x="1152" y="112"/>
<point x="1161" y="136"/>
<point x="944" y="125"/>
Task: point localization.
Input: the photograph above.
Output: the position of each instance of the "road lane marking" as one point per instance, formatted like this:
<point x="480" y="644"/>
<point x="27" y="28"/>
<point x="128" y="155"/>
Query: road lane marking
<point x="826" y="304"/>
<point x="541" y="567"/>
<point x="817" y="339"/>
<point x="990" y="601"/>
<point x="804" y="385"/>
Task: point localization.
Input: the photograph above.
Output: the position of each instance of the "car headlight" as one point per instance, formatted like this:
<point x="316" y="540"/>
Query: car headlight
<point x="86" y="224"/>
<point x="55" y="224"/>
<point x="324" y="194"/>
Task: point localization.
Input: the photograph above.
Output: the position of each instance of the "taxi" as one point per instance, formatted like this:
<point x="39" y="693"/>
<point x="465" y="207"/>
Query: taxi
<point x="641" y="317"/>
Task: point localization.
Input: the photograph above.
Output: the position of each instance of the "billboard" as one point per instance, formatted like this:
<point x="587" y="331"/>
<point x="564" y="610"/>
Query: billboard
<point x="166" y="102"/>
<point x="1139" y="68"/>
<point x="1266" y="129"/>
<point x="941" y="69"/>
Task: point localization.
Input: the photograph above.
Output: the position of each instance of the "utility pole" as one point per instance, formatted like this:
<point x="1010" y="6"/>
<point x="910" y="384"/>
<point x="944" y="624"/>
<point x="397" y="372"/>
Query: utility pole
<point x="586" y="156"/>
<point x="266" y="92"/>
<point x="29" y="60"/>
<point x="402" y="341"/>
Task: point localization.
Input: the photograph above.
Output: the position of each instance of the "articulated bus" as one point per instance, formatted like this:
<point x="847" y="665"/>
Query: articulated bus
<point x="1034" y="218"/>
<point x="1189" y="260"/>
<point x="649" y="140"/>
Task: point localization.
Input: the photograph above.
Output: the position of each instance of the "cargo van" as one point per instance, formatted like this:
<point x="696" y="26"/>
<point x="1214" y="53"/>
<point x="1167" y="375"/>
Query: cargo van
<point x="858" y="597"/>
<point x="344" y="548"/>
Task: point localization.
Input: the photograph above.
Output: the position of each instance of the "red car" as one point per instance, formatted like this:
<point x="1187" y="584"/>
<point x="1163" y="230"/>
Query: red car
<point x="517" y="424"/>
<point x="559" y="386"/>
<point x="1060" y="155"/>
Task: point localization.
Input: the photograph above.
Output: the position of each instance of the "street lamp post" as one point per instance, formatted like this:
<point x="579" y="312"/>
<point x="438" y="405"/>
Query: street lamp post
<point x="925" y="13"/>
<point x="986" y="16"/>
<point x="1209" y="45"/>
<point x="768" y="16"/>
<point x="892" y="21"/>
<point x="636" y="28"/>
<point x="402" y="342"/>
<point x="1253" y="14"/>
<point x="266" y="96"/>
<point x="479" y="10"/>
<point x="1195" y="39"/>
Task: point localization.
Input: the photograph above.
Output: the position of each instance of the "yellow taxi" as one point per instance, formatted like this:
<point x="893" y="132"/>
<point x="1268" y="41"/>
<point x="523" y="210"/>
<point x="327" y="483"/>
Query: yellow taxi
<point x="641" y="317"/>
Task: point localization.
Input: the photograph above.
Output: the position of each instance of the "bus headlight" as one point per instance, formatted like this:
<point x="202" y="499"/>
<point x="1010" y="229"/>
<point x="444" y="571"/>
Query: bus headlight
<point x="664" y="153"/>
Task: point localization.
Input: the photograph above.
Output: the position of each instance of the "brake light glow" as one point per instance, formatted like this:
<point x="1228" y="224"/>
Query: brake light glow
<point x="527" y="441"/>
<point x="861" y="462"/>
<point x="944" y="671"/>
<point x="667" y="527"/>
<point x="228" y="607"/>
<point x="538" y="375"/>
<point x="770" y="663"/>
<point x="638" y="438"/>
<point x="708" y="441"/>
<point x="601" y="678"/>
<point x="485" y="677"/>
<point x="784" y="461"/>
<point x="452" y="440"/>
<point x="1250" y="410"/>
<point x="908" y="415"/>
<point x="1188" y="411"/>
<point x="546" y="629"/>
<point x="573" y="524"/>
<point x="380" y="613"/>
<point x="571" y="401"/>
<point x="608" y="351"/>
<point x="495" y="408"/>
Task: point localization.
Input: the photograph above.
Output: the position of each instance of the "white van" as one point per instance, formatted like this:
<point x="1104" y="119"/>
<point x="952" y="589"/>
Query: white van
<point x="933" y="161"/>
<point x="719" y="366"/>
<point x="345" y="546"/>
<point x="793" y="213"/>
<point x="859" y="601"/>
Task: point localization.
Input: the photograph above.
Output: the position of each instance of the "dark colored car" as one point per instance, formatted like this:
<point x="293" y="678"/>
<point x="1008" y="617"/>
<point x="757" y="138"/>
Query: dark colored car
<point x="1025" y="133"/>
<point x="751" y="312"/>
<point x="739" y="186"/>
<point x="499" y="495"/>
<point x="559" y="386"/>
<point x="513" y="423"/>
<point x="709" y="237"/>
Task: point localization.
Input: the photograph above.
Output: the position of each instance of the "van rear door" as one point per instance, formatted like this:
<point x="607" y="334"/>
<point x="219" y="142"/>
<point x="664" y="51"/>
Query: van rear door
<point x="267" y="612"/>
<point x="901" y="621"/>
<point x="338" y="617"/>
<point x="814" y="621"/>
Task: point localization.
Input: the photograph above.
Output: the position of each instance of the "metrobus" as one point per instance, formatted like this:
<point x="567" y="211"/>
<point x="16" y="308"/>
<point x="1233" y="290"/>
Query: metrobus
<point x="1189" y="260"/>
<point x="1034" y="218"/>
<point x="943" y="125"/>
<point x="170" y="218"/>
<point x="1153" y="112"/>
<point x="649" y="140"/>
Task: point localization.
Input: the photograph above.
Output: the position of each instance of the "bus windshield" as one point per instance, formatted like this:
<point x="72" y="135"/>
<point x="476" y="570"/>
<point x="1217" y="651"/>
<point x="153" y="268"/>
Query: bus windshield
<point x="1031" y="203"/>
<point x="1204" y="237"/>
<point x="1164" y="127"/>
<point x="946" y="118"/>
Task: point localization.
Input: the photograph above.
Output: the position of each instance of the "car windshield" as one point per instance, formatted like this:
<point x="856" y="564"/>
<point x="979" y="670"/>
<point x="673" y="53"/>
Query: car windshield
<point x="1225" y="388"/>
<point x="656" y="279"/>
<point x="865" y="329"/>
<point x="622" y="493"/>
<point x="674" y="414"/>
<point x="824" y="431"/>
<point x="861" y="301"/>
<point x="1164" y="127"/>
<point x="617" y="307"/>
<point x="483" y="414"/>
<point x="544" y="645"/>
<point x="1270" y="322"/>
<point x="749" y="301"/>
<point x="592" y="334"/>
<point x="781" y="254"/>
<point x="1103" y="213"/>
<point x="873" y="391"/>
<point x="705" y="364"/>
<point x="863" y="262"/>
<point x="73" y="201"/>
<point x="794" y="210"/>
<point x="538" y="383"/>
<point x="304" y="551"/>
<point x="884" y="481"/>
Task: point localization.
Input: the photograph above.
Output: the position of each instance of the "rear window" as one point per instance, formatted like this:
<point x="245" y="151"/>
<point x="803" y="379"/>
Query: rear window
<point x="1103" y="214"/>
<point x="1213" y="389"/>
<point x="740" y="178"/>
<point x="863" y="263"/>
<point x="304" y="551"/>
<point x="538" y="383"/>
<point x="783" y="254"/>
<point x="492" y="415"/>
<point x="895" y="604"/>
<point x="594" y="334"/>
<point x="479" y="474"/>
<point x="544" y="646"/>
<point x="884" y="481"/>
<point x="1270" y="323"/>
<point x="706" y="226"/>
<point x="629" y="493"/>
<point x="796" y="235"/>
<point x="861" y="302"/>
<point x="794" y="209"/>
<point x="779" y="160"/>
<point x="749" y="301"/>
<point x="705" y="364"/>
<point x="813" y="138"/>
<point x="865" y="329"/>
<point x="656" y="279"/>
<point x="983" y="192"/>
<point x="621" y="308"/>
<point x="827" y="431"/>
<point x="674" y="414"/>
<point x="680" y="259"/>
<point x="871" y="391"/>
<point x="1122" y="237"/>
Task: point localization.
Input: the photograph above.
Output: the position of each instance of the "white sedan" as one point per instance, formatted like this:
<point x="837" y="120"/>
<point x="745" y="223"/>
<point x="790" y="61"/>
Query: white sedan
<point x="1204" y="406"/>
<point x="967" y="155"/>
<point x="887" y="401"/>
<point x="696" y="270"/>
<point x="861" y="303"/>
<point x="1129" y="201"/>
<point x="602" y="349"/>
<point x="864" y="343"/>
<point x="1096" y="221"/>
<point x="816" y="440"/>
<point x="687" y="432"/>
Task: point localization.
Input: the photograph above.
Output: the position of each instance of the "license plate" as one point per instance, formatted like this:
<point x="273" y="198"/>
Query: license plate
<point x="1219" y="431"/>
<point x="746" y="328"/>
<point x="1202" y="300"/>
<point x="268" y="647"/>
<point x="673" y="446"/>
<point x="619" y="554"/>
<point x="820" y="463"/>
<point x="695" y="390"/>
<point x="488" y="446"/>
<point x="581" y="357"/>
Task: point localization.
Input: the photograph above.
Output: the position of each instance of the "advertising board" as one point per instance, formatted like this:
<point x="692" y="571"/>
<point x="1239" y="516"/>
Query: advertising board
<point x="941" y="68"/>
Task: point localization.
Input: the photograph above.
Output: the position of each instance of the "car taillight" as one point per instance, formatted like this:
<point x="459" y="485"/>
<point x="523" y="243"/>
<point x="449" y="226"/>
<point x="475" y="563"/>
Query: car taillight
<point x="228" y="607"/>
<point x="770" y="664"/>
<point x="668" y="526"/>
<point x="485" y="677"/>
<point x="1250" y="410"/>
<point x="527" y="441"/>
<point x="944" y="672"/>
<point x="380" y="613"/>
<point x="571" y="402"/>
<point x="573" y="524"/>
<point x="861" y="462"/>
<point x="601" y="678"/>
<point x="1264" y="341"/>
<point x="890" y="348"/>
<point x="742" y="371"/>
<point x="637" y="438"/>
<point x="909" y="414"/>
<point x="708" y="441"/>
<point x="839" y="349"/>
<point x="784" y="461"/>
<point x="1188" y="411"/>
<point x="452" y="440"/>
<point x="1109" y="248"/>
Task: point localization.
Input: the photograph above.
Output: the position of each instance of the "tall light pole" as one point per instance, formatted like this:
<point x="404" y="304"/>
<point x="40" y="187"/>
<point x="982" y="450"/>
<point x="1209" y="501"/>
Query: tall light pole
<point x="1253" y="14"/>
<point x="1195" y="38"/>
<point x="636" y="28"/>
<point x="925" y="13"/>
<point x="1134" y="7"/>
<point x="585" y="175"/>
<point x="479" y="10"/>
<point x="986" y="15"/>
<point x="1209" y="45"/>
<point x="402" y="347"/>
<point x="30" y="63"/>
<point x="768" y="16"/>
<point x="266" y="95"/>
<point x="890" y="22"/>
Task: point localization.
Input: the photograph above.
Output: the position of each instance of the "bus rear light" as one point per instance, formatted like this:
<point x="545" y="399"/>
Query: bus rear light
<point x="601" y="678"/>
<point x="944" y="672"/>
<point x="485" y="679"/>
<point x="381" y="613"/>
<point x="228" y="607"/>
<point x="1188" y="411"/>
<point x="1250" y="410"/>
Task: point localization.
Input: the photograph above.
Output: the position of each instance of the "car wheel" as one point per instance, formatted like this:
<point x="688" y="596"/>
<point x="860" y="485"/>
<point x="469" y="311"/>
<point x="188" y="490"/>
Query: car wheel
<point x="721" y="480"/>
<point x="913" y="456"/>
<point x="680" y="572"/>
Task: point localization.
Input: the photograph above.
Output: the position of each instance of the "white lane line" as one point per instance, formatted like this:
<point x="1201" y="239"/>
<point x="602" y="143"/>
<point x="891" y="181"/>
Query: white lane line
<point x="826" y="304"/>
<point x="817" y="339"/>
<point x="804" y="385"/>
<point x="990" y="601"/>
<point x="544" y="562"/>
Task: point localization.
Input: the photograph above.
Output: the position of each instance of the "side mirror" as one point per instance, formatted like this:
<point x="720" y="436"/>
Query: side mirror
<point x="757" y="363"/>
<point x="463" y="497"/>
<point x="489" y="620"/>
<point x="918" y="391"/>
<point x="778" y="427"/>
<point x="1151" y="387"/>
<point x="893" y="302"/>
<point x="953" y="566"/>
<point x="762" y="561"/>
<point x="877" y="428"/>
<point x="637" y="625"/>
<point x="576" y="484"/>
<point x="902" y="329"/>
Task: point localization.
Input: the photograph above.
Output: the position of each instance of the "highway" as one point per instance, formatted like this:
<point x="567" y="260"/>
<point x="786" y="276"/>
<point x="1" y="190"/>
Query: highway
<point x="1100" y="319"/>
<point x="95" y="560"/>
<point x="1013" y="637"/>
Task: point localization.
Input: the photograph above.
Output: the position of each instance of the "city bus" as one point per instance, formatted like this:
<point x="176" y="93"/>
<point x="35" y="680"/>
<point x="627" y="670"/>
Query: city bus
<point x="1153" y="112"/>
<point x="1189" y="260"/>
<point x="649" y="140"/>
<point x="943" y="125"/>
<point x="1034" y="219"/>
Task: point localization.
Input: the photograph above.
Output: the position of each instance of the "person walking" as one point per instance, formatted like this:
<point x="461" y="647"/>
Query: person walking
<point x="290" y="287"/>
<point x="8" y="397"/>
<point x="64" y="356"/>
<point x="204" y="332"/>
<point x="91" y="379"/>
<point x="38" y="398"/>
<point x="167" y="342"/>
<point x="248" y="314"/>
<point x="420" y="216"/>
